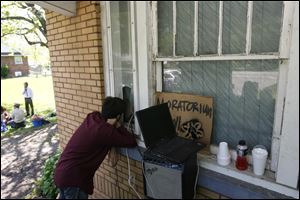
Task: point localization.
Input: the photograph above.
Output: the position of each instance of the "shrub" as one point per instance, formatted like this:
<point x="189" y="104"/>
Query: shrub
<point x="4" y="71"/>
<point x="45" y="185"/>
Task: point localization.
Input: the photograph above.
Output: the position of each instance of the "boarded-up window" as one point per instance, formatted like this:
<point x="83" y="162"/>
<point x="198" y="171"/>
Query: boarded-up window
<point x="244" y="94"/>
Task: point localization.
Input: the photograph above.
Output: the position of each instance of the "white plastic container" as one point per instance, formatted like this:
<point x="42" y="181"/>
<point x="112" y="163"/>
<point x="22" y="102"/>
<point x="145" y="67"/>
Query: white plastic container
<point x="259" y="156"/>
<point x="223" y="156"/>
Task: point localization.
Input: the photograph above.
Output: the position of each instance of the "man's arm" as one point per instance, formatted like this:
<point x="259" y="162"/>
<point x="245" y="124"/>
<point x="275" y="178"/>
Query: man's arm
<point x="117" y="137"/>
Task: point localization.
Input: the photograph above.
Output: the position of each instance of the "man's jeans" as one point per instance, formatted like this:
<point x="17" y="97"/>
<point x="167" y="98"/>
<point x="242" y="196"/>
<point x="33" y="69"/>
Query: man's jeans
<point x="72" y="193"/>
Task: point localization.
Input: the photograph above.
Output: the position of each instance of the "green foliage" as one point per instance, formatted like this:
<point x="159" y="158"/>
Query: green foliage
<point x="26" y="19"/>
<point x="4" y="71"/>
<point x="45" y="185"/>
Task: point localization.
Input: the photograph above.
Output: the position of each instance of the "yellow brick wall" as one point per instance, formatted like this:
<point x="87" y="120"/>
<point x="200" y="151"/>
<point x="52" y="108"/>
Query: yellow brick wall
<point x="75" y="46"/>
<point x="77" y="65"/>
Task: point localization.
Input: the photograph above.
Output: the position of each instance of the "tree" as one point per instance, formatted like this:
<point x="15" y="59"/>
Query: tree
<point x="25" y="19"/>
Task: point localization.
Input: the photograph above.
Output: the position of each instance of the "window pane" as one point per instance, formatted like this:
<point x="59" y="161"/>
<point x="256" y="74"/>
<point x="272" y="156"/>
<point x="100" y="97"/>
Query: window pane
<point x="165" y="28"/>
<point x="18" y="60"/>
<point x="234" y="27"/>
<point x="185" y="28"/>
<point x="266" y="26"/>
<point x="244" y="95"/>
<point x="121" y="49"/>
<point x="208" y="27"/>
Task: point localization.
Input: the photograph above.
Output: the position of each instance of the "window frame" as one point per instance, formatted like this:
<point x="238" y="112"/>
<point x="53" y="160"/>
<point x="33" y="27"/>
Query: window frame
<point x="109" y="79"/>
<point x="282" y="55"/>
<point x="141" y="62"/>
<point x="18" y="62"/>
<point x="149" y="65"/>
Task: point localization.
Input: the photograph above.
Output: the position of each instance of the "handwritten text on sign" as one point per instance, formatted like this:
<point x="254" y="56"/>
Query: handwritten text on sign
<point x="192" y="115"/>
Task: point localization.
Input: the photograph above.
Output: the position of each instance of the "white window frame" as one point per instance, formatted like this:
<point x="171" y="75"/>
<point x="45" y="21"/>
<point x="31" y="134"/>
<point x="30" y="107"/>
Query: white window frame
<point x="148" y="73"/>
<point x="140" y="59"/>
<point x="18" y="60"/>
<point x="283" y="55"/>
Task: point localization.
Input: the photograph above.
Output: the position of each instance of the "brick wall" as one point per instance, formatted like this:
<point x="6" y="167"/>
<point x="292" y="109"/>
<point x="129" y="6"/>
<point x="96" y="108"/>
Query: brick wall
<point x="77" y="68"/>
<point x="75" y="47"/>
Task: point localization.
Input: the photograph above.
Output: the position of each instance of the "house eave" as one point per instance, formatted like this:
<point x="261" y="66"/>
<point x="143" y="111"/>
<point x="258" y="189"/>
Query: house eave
<point x="67" y="8"/>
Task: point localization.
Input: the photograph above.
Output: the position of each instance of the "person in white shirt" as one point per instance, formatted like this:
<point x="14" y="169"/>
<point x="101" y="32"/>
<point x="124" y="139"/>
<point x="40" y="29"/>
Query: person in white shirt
<point x="18" y="117"/>
<point x="28" y="94"/>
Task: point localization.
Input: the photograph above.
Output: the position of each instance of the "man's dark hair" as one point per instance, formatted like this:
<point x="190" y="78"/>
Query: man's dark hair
<point x="26" y="83"/>
<point x="112" y="107"/>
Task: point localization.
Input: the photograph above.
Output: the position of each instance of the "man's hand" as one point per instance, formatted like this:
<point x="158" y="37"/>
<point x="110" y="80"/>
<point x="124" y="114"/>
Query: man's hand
<point x="113" y="157"/>
<point x="117" y="124"/>
<point x="112" y="121"/>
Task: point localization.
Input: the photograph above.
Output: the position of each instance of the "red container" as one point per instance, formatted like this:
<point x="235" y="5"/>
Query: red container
<point x="241" y="160"/>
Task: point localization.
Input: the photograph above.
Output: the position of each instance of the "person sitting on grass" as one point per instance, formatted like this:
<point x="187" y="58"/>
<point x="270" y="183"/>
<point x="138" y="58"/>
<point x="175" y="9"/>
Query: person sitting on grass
<point x="5" y="116"/>
<point x="18" y="117"/>
<point x="40" y="120"/>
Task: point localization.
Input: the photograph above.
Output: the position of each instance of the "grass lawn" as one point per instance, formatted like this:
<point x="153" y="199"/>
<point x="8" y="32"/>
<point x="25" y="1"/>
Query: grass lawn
<point x="43" y="99"/>
<point x="42" y="87"/>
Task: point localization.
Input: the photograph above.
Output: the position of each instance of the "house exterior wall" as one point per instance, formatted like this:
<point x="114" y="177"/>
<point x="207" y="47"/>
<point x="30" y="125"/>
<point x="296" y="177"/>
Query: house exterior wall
<point x="76" y="52"/>
<point x="10" y="62"/>
<point x="77" y="68"/>
<point x="75" y="46"/>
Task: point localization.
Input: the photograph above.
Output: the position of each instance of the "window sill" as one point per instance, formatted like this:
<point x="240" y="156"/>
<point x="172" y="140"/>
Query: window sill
<point x="268" y="181"/>
<point x="233" y="183"/>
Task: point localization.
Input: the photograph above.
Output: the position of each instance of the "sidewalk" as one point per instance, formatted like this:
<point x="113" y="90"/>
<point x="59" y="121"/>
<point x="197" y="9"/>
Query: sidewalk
<point x="22" y="159"/>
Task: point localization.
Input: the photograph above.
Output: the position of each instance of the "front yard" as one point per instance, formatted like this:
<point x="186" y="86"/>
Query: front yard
<point x="43" y="99"/>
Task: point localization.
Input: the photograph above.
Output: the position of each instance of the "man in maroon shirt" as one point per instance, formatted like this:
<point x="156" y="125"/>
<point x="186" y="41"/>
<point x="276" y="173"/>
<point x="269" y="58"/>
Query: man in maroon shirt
<point x="88" y="147"/>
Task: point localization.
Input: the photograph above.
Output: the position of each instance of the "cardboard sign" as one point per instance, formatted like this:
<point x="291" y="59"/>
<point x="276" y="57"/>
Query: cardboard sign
<point x="192" y="115"/>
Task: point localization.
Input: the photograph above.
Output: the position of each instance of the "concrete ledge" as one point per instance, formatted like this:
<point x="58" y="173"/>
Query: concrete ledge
<point x="220" y="183"/>
<point x="234" y="188"/>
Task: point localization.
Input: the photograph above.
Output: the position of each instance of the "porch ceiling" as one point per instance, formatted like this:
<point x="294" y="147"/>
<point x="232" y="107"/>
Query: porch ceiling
<point x="67" y="8"/>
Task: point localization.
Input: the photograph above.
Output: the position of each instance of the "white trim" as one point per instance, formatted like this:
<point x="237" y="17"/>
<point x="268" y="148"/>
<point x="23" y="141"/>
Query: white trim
<point x="285" y="38"/>
<point x="196" y="28"/>
<point x="174" y="28"/>
<point x="154" y="29"/>
<point x="109" y="46"/>
<point x="222" y="57"/>
<point x="159" y="76"/>
<point x="281" y="90"/>
<point x="150" y="64"/>
<point x="210" y="163"/>
<point x="104" y="30"/>
<point x="142" y="58"/>
<point x="135" y="56"/>
<point x="249" y="27"/>
<point x="220" y="28"/>
<point x="288" y="165"/>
